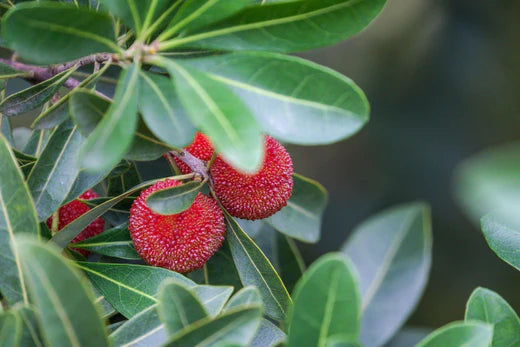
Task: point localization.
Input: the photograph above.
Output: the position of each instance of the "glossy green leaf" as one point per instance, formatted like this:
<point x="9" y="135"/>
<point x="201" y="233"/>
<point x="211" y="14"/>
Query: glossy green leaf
<point x="134" y="12"/>
<point x="175" y="199"/>
<point x="221" y="269"/>
<point x="392" y="254"/>
<point x="7" y="72"/>
<point x="33" y="97"/>
<point x="113" y="135"/>
<point x="121" y="181"/>
<point x="301" y="218"/>
<point x="503" y="238"/>
<point x="84" y="181"/>
<point x="115" y="242"/>
<point x="487" y="306"/>
<point x="30" y="333"/>
<point x="288" y="260"/>
<point x="6" y="129"/>
<point x="59" y="111"/>
<point x="145" y="146"/>
<point x="59" y="293"/>
<point x="178" y="306"/>
<point x="17" y="216"/>
<point x="55" y="171"/>
<point x="220" y="114"/>
<point x="36" y="142"/>
<point x="10" y="329"/>
<point x="314" y="104"/>
<point x="326" y="303"/>
<point x="129" y="288"/>
<point x="51" y="32"/>
<point x="213" y="298"/>
<point x="285" y="26"/>
<point x="162" y="111"/>
<point x="195" y="14"/>
<point x="233" y="327"/>
<point x="87" y="109"/>
<point x="247" y="296"/>
<point x="489" y="182"/>
<point x="145" y="329"/>
<point x="255" y="269"/>
<point x="474" y="334"/>
<point x="268" y="335"/>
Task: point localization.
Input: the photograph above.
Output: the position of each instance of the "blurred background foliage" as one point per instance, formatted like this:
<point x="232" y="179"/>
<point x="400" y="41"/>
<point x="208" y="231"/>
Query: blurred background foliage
<point x="443" y="81"/>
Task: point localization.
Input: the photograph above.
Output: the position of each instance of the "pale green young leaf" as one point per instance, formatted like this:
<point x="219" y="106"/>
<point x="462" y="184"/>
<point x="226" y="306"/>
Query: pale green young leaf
<point x="474" y="334"/>
<point x="391" y="252"/>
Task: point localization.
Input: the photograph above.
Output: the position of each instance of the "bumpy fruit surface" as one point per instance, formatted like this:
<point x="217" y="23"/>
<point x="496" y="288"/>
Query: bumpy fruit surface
<point x="259" y="195"/>
<point x="73" y="210"/>
<point x="180" y="242"/>
<point x="201" y="148"/>
<point x="246" y="196"/>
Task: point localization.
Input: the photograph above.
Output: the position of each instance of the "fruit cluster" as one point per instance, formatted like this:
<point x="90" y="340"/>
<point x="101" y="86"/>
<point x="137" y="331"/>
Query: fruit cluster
<point x="185" y="241"/>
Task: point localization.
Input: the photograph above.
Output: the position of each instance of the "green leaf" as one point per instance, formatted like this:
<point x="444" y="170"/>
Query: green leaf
<point x="113" y="135"/>
<point x="175" y="199"/>
<point x="392" y="254"/>
<point x="145" y="147"/>
<point x="7" y="72"/>
<point x="178" y="306"/>
<point x="489" y="182"/>
<point x="220" y="114"/>
<point x="10" y="329"/>
<point x="129" y="288"/>
<point x="213" y="298"/>
<point x="30" y="334"/>
<point x="30" y="98"/>
<point x="36" y="142"/>
<point x="341" y="341"/>
<point x="233" y="327"/>
<point x="87" y="109"/>
<point x="142" y="330"/>
<point x="220" y="268"/>
<point x="315" y="105"/>
<point x="474" y="334"/>
<point x="255" y="269"/>
<point x="59" y="294"/>
<point x="268" y="335"/>
<point x="289" y="261"/>
<point x="6" y="129"/>
<point x="285" y="26"/>
<point x="195" y="14"/>
<point x="301" y="218"/>
<point x="115" y="242"/>
<point x="48" y="32"/>
<point x="245" y="297"/>
<point x="326" y="303"/>
<point x="59" y="111"/>
<point x="162" y="111"/>
<point x="84" y="181"/>
<point x="503" y="238"/>
<point x="487" y="306"/>
<point x="120" y="182"/>
<point x="55" y="171"/>
<point x="17" y="216"/>
<point x="134" y="12"/>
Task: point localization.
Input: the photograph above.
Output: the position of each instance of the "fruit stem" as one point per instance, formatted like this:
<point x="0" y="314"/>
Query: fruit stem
<point x="198" y="166"/>
<point x="55" y="222"/>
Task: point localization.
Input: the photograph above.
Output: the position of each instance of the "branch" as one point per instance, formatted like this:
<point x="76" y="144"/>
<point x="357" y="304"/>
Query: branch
<point x="40" y="74"/>
<point x="198" y="166"/>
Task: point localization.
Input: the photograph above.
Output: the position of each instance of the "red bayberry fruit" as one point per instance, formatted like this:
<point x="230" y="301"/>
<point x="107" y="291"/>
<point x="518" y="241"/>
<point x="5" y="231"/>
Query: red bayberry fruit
<point x="73" y="210"/>
<point x="180" y="242"/>
<point x="255" y="196"/>
<point x="259" y="195"/>
<point x="201" y="148"/>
